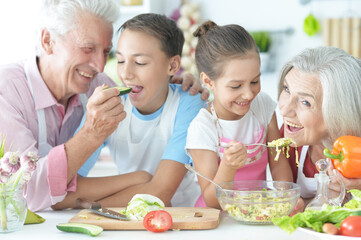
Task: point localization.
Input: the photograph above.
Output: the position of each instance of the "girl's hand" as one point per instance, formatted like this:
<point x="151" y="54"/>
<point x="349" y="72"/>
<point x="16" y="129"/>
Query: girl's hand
<point x="235" y="156"/>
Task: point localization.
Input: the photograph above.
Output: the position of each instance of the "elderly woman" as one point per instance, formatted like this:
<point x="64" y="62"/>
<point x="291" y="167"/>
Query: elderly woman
<point x="319" y="100"/>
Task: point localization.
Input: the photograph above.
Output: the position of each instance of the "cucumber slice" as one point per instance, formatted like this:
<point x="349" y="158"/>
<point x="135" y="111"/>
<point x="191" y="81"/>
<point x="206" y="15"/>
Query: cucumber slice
<point x="92" y="230"/>
<point x="123" y="90"/>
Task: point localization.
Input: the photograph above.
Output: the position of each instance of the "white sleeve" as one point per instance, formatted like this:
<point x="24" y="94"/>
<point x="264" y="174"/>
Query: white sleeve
<point x="202" y="133"/>
<point x="264" y="107"/>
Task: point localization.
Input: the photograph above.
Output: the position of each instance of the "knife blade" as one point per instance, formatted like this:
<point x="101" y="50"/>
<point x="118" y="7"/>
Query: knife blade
<point x="96" y="207"/>
<point x="109" y="213"/>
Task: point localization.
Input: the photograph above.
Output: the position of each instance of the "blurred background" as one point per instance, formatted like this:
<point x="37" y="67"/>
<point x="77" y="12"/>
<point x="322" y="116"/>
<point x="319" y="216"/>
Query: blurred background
<point x="281" y="28"/>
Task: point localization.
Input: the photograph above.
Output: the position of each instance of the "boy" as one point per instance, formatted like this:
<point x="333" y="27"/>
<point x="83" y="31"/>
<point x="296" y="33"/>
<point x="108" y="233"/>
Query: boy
<point x="153" y="134"/>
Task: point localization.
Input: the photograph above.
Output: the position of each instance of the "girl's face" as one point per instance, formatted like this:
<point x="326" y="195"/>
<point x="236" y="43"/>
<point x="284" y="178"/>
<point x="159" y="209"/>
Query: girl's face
<point x="144" y="66"/>
<point x="235" y="89"/>
<point x="300" y="105"/>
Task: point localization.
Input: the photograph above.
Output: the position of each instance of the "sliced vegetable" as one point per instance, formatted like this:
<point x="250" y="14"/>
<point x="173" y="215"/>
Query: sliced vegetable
<point x="122" y="90"/>
<point x="351" y="226"/>
<point x="158" y="221"/>
<point x="141" y="204"/>
<point x="89" y="229"/>
<point x="346" y="156"/>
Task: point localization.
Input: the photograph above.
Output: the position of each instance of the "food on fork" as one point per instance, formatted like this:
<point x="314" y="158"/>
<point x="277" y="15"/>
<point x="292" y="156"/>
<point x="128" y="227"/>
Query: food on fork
<point x="281" y="144"/>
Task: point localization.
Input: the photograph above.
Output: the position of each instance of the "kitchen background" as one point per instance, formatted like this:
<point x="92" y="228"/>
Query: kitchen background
<point x="282" y="20"/>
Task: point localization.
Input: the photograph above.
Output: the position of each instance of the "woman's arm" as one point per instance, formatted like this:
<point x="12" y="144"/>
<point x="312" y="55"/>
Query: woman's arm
<point x="281" y="170"/>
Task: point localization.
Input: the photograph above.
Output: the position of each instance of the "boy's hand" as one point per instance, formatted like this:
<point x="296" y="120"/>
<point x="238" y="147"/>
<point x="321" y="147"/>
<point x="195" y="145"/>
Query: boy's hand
<point x="188" y="81"/>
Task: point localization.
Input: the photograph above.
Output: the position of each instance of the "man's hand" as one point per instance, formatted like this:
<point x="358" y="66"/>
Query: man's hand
<point x="104" y="112"/>
<point x="189" y="82"/>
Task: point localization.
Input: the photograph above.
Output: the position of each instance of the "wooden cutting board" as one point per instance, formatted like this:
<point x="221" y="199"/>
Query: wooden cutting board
<point x="183" y="218"/>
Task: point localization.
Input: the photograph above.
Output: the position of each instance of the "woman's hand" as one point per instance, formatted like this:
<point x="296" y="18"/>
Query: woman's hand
<point x="334" y="186"/>
<point x="189" y="82"/>
<point x="300" y="206"/>
<point x="235" y="156"/>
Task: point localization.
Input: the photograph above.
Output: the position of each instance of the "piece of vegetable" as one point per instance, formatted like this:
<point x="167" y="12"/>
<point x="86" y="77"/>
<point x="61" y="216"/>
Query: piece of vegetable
<point x="89" y="229"/>
<point x="158" y="221"/>
<point x="346" y="156"/>
<point x="330" y="228"/>
<point x="141" y="204"/>
<point x="311" y="25"/>
<point x="316" y="218"/>
<point x="351" y="226"/>
<point x="122" y="90"/>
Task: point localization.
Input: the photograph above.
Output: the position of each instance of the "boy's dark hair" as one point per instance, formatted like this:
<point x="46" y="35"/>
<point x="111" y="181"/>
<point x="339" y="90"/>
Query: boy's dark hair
<point x="160" y="27"/>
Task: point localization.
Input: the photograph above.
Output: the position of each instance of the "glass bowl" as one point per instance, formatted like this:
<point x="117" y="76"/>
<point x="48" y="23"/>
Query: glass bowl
<point x="257" y="201"/>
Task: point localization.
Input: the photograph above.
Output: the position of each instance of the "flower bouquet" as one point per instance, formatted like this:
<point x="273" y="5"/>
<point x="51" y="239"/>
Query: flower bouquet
<point x="15" y="170"/>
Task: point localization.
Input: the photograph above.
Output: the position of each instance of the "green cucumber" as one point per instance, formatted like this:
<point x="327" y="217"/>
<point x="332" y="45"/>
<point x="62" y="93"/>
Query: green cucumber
<point x="92" y="230"/>
<point x="122" y="90"/>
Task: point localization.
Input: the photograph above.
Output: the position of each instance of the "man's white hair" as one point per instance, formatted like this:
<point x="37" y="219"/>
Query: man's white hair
<point x="59" y="16"/>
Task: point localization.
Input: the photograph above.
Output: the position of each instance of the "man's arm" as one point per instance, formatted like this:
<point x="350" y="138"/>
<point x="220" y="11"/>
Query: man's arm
<point x="188" y="81"/>
<point x="104" y="112"/>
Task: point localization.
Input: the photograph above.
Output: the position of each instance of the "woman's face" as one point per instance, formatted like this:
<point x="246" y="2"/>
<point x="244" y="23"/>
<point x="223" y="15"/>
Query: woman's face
<point x="300" y="105"/>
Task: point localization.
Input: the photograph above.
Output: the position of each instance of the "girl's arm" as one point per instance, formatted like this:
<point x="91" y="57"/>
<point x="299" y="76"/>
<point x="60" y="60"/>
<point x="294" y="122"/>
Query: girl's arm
<point x="280" y="170"/>
<point x="206" y="162"/>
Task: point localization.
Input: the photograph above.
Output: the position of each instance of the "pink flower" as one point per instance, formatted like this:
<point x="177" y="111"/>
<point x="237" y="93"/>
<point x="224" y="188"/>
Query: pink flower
<point x="4" y="176"/>
<point x="28" y="162"/>
<point x="10" y="162"/>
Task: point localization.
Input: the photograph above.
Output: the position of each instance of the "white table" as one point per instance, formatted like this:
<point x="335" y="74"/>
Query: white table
<point x="227" y="229"/>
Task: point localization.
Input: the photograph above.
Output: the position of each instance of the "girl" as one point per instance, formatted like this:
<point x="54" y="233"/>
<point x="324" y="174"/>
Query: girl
<point x="229" y="65"/>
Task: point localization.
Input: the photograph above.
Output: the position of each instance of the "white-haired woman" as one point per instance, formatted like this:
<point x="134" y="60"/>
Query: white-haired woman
<point x="43" y="98"/>
<point x="319" y="100"/>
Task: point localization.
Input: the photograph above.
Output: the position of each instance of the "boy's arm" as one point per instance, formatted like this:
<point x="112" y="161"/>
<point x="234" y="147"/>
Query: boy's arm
<point x="163" y="185"/>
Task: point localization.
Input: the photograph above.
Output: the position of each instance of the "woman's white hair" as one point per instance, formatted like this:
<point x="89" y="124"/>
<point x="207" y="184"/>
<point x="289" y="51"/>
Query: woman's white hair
<point x="59" y="16"/>
<point x="340" y="77"/>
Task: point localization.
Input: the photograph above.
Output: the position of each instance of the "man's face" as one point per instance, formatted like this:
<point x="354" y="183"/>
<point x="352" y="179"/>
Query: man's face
<point x="79" y="55"/>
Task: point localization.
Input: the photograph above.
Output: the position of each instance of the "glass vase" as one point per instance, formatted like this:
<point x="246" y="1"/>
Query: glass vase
<point x="13" y="208"/>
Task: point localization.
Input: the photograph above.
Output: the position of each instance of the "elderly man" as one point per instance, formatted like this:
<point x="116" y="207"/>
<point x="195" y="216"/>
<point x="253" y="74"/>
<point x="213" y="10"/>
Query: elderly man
<point x="43" y="100"/>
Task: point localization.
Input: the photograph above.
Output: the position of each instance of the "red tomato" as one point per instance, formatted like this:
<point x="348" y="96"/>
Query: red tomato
<point x="158" y="221"/>
<point x="351" y="226"/>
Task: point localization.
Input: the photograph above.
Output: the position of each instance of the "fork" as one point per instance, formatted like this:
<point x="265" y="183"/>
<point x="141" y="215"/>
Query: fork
<point x="224" y="145"/>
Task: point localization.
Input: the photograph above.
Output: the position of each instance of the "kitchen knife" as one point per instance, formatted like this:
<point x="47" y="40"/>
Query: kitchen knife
<point x="96" y="208"/>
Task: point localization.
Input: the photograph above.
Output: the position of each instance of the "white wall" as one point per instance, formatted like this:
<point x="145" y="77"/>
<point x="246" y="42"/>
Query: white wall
<point x="17" y="29"/>
<point x="17" y="19"/>
<point x="275" y="15"/>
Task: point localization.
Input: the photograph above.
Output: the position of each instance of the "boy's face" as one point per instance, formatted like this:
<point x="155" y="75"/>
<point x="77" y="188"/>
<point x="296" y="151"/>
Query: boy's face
<point x="143" y="66"/>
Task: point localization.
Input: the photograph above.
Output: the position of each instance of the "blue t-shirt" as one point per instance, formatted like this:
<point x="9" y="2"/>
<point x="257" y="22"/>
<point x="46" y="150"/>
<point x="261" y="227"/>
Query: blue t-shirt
<point x="188" y="108"/>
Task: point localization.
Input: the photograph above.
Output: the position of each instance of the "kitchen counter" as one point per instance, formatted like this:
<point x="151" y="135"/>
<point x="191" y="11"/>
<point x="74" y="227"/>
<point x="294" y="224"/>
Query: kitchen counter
<point x="227" y="229"/>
